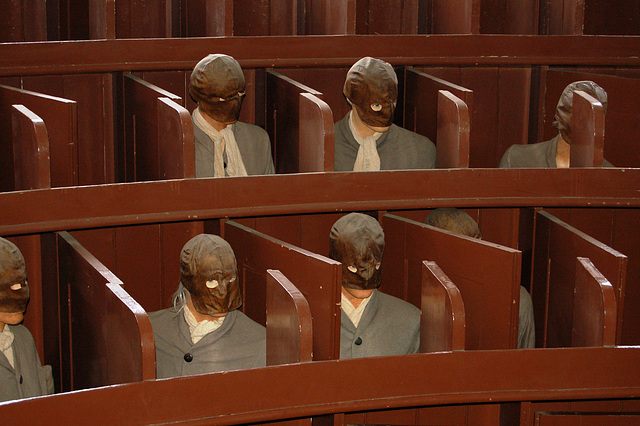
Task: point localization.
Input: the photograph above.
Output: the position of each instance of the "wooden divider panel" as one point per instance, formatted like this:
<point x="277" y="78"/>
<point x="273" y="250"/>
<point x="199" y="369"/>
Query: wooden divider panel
<point x="283" y="120"/>
<point x="289" y="329"/>
<point x="143" y="19"/>
<point x="318" y="279"/>
<point x="587" y="136"/>
<point x="453" y="132"/>
<point x="556" y="247"/>
<point x="509" y="17"/>
<point x="455" y="17"/>
<point x="23" y="21"/>
<point x="208" y="18"/>
<point x="31" y="150"/>
<point x="111" y="339"/>
<point x="421" y="101"/>
<point x="487" y="274"/>
<point x="141" y="138"/>
<point x="60" y="117"/>
<point x="176" y="143"/>
<point x="594" y="317"/>
<point x="316" y="149"/>
<point x="102" y="19"/>
<point x="443" y="323"/>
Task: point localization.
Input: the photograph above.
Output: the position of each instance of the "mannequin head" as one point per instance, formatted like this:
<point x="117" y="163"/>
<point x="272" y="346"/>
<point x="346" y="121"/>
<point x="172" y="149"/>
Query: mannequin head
<point x="217" y="85"/>
<point x="562" y="120"/>
<point x="454" y="220"/>
<point x="357" y="241"/>
<point x="371" y="87"/>
<point x="14" y="291"/>
<point x="209" y="273"/>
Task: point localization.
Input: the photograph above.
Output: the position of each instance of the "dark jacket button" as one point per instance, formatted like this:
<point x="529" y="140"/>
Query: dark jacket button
<point x="358" y="341"/>
<point x="188" y="357"/>
<point x="21" y="379"/>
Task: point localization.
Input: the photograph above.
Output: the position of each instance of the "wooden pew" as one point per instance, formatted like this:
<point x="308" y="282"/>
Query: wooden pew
<point x="318" y="279"/>
<point x="556" y="247"/>
<point x="158" y="135"/>
<point x="106" y="336"/>
<point x="453" y="132"/>
<point x="60" y="117"/>
<point x="288" y="322"/>
<point x="587" y="124"/>
<point x="442" y="326"/>
<point x="285" y="105"/>
<point x="595" y="309"/>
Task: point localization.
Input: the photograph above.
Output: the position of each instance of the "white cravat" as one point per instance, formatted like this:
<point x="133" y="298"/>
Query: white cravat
<point x="6" y="342"/>
<point x="352" y="312"/>
<point x="367" y="158"/>
<point x="200" y="329"/>
<point x="235" y="165"/>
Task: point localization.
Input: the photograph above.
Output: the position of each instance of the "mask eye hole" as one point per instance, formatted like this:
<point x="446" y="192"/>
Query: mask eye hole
<point x="376" y="107"/>
<point x="16" y="286"/>
<point x="232" y="279"/>
<point x="212" y="283"/>
<point x="353" y="269"/>
<point x="377" y="265"/>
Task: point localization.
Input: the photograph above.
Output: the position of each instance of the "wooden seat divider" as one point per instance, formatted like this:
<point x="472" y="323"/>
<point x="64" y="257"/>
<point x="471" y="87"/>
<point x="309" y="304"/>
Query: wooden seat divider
<point x="316" y="142"/>
<point x="453" y="132"/>
<point x="587" y="136"/>
<point x="31" y="150"/>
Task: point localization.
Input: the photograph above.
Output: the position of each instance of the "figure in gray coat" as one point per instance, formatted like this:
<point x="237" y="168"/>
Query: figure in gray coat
<point x="21" y="373"/>
<point x="372" y="323"/>
<point x="366" y="138"/>
<point x="205" y="332"/>
<point x="224" y="146"/>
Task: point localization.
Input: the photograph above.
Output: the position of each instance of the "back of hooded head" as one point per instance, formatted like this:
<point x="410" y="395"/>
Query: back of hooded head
<point x="371" y="87"/>
<point x="217" y="84"/>
<point x="454" y="220"/>
<point x="14" y="291"/>
<point x="357" y="241"/>
<point x="562" y="120"/>
<point x="208" y="270"/>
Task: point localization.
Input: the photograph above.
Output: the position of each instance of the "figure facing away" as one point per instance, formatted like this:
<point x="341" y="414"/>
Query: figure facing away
<point x="556" y="152"/>
<point x="21" y="373"/>
<point x="373" y="323"/>
<point x="225" y="146"/>
<point x="205" y="332"/>
<point x="366" y="138"/>
<point x="455" y="220"/>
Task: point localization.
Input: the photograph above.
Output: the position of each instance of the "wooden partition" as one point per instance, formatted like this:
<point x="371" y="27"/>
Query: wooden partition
<point x="557" y="245"/>
<point x="587" y="136"/>
<point x="586" y="419"/>
<point x="421" y="101"/>
<point x="284" y="122"/>
<point x="318" y="279"/>
<point x="623" y="106"/>
<point x="30" y="150"/>
<point x="595" y="308"/>
<point x="60" y="118"/>
<point x="453" y="132"/>
<point x="481" y="270"/>
<point x="443" y="323"/>
<point x="509" y="17"/>
<point x="455" y="17"/>
<point x="23" y="21"/>
<point x="288" y="323"/>
<point x="110" y="337"/>
<point x="593" y="17"/>
<point x="316" y="141"/>
<point x="144" y="120"/>
<point x="499" y="113"/>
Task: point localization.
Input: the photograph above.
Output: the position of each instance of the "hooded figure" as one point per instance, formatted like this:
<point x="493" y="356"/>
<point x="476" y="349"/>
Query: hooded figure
<point x="204" y="331"/>
<point x="366" y="138"/>
<point x="21" y="373"/>
<point x="225" y="146"/>
<point x="372" y="323"/>
<point x="455" y="220"/>
<point x="556" y="152"/>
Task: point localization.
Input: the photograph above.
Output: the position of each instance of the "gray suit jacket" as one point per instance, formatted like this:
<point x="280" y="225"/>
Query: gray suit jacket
<point x="398" y="148"/>
<point x="29" y="377"/>
<point x="238" y="344"/>
<point x="253" y="143"/>
<point x="389" y="326"/>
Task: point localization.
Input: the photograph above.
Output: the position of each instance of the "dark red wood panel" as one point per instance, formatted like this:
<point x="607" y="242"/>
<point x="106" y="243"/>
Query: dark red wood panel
<point x="508" y="17"/>
<point x="587" y="136"/>
<point x="176" y="143"/>
<point x="455" y="17"/>
<point x="31" y="164"/>
<point x="143" y="19"/>
<point x="605" y="17"/>
<point x="453" y="132"/>
<point x="24" y="20"/>
<point x="316" y="153"/>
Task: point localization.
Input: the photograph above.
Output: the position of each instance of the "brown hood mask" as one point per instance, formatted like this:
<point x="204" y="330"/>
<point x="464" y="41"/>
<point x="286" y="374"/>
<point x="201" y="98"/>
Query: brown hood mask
<point x="357" y="240"/>
<point x="372" y="87"/>
<point x="562" y="120"/>
<point x="14" y="291"/>
<point x="209" y="272"/>
<point x="217" y="85"/>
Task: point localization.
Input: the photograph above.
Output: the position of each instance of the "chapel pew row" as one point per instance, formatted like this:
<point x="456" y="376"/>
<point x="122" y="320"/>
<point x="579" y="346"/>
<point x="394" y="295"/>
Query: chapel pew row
<point x="95" y="365"/>
<point x="36" y="21"/>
